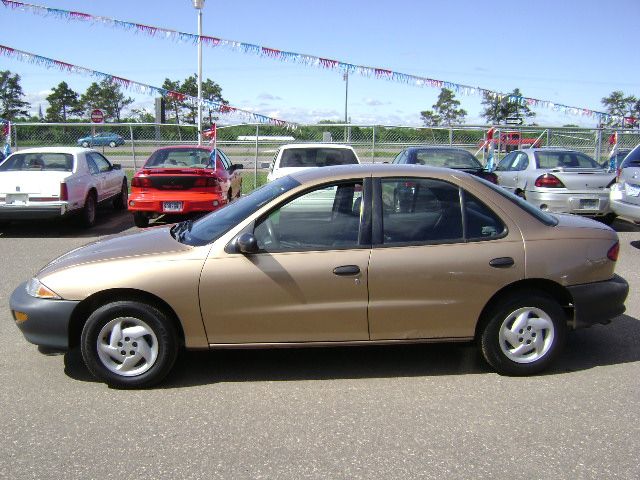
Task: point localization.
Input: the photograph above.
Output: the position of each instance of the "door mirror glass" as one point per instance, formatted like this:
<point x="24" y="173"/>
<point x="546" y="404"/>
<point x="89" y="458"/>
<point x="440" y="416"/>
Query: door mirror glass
<point x="247" y="243"/>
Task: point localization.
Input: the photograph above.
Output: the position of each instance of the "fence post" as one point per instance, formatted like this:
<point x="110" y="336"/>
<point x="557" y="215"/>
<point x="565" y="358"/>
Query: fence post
<point x="255" y="163"/>
<point x="14" y="128"/>
<point x="450" y="135"/>
<point x="598" y="149"/>
<point x="373" y="146"/>
<point x="133" y="147"/>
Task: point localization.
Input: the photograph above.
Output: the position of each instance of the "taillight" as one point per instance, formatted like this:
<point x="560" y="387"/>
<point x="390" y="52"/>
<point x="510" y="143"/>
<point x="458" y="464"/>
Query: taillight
<point x="141" y="182"/>
<point x="549" y="181"/>
<point x="205" y="182"/>
<point x="613" y="252"/>
<point x="64" y="192"/>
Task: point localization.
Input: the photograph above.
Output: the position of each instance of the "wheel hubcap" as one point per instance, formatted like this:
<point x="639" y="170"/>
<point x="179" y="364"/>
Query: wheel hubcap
<point x="526" y="335"/>
<point x="127" y="346"/>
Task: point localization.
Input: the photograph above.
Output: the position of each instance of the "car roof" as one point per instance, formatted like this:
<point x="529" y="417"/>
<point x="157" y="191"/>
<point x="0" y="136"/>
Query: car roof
<point x="70" y="150"/>
<point x="316" y="145"/>
<point x="436" y="147"/>
<point x="371" y="169"/>
<point x="186" y="147"/>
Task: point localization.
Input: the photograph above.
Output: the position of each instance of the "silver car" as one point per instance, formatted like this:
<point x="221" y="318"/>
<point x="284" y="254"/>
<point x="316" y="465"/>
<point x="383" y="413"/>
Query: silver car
<point x="625" y="193"/>
<point x="559" y="181"/>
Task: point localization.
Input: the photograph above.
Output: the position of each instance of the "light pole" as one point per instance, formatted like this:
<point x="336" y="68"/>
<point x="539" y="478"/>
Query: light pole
<point x="199" y="5"/>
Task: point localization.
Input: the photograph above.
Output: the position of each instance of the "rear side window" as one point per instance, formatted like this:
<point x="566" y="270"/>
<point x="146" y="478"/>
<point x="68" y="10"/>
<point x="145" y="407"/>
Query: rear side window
<point x="481" y="223"/>
<point x="61" y="162"/>
<point x="316" y="157"/>
<point x="633" y="159"/>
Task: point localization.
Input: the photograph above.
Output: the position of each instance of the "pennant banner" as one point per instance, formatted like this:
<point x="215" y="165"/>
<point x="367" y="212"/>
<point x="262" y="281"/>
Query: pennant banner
<point x="309" y="60"/>
<point x="137" y="86"/>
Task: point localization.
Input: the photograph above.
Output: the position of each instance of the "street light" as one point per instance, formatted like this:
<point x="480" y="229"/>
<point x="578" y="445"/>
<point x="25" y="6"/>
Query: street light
<point x="199" y="5"/>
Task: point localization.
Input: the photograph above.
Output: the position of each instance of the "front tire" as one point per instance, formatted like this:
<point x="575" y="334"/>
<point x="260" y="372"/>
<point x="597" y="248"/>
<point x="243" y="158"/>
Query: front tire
<point x="523" y="334"/>
<point x="122" y="199"/>
<point x="112" y="144"/>
<point x="129" y="344"/>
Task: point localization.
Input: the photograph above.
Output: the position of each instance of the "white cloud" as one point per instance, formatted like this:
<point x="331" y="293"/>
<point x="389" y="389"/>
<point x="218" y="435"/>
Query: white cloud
<point x="268" y="96"/>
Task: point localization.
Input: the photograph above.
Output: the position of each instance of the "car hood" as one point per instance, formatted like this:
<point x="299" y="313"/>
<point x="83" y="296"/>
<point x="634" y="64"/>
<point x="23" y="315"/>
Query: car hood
<point x="153" y="241"/>
<point x="32" y="182"/>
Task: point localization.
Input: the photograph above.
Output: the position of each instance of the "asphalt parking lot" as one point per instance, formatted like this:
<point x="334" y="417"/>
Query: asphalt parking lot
<point x="428" y="411"/>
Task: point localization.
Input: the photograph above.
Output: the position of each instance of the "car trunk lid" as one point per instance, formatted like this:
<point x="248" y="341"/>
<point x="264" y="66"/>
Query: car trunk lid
<point x="583" y="179"/>
<point x="32" y="183"/>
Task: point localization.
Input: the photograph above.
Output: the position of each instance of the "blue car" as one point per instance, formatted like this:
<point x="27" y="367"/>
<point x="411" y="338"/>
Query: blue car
<point x="101" y="139"/>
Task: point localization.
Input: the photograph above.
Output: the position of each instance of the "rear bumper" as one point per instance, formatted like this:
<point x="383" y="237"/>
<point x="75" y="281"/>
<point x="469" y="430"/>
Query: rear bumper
<point x="571" y="202"/>
<point x="193" y="202"/>
<point x="47" y="324"/>
<point x="31" y="211"/>
<point x="598" y="302"/>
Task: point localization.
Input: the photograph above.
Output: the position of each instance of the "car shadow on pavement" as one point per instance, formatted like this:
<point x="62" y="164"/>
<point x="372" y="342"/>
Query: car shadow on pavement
<point x="600" y="345"/>
<point x="108" y="222"/>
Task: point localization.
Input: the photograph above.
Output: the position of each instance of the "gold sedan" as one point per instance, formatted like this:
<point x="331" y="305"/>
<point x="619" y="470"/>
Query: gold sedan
<point x="335" y="256"/>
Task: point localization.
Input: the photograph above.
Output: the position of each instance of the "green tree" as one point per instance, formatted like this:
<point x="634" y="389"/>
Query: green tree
<point x="445" y="110"/>
<point x="106" y="96"/>
<point x="619" y="105"/>
<point x="11" y="104"/>
<point x="498" y="109"/>
<point x="142" y="116"/>
<point x="172" y="104"/>
<point x="63" y="102"/>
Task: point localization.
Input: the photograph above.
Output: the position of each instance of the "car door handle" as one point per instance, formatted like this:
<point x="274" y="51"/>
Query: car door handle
<point x="502" y="262"/>
<point x="346" y="270"/>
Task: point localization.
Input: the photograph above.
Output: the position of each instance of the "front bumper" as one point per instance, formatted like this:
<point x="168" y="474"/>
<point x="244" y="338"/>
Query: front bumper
<point x="193" y="202"/>
<point x="598" y="302"/>
<point x="47" y="321"/>
<point x="33" y="211"/>
<point x="594" y="203"/>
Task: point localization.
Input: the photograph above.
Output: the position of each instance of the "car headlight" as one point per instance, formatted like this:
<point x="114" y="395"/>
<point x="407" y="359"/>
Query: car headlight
<point x="36" y="288"/>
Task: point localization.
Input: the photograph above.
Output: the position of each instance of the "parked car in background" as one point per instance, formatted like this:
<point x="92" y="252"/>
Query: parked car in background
<point x="57" y="181"/>
<point x="447" y="157"/>
<point x="617" y="158"/>
<point x="557" y="180"/>
<point x="465" y="260"/>
<point x="101" y="139"/>
<point x="299" y="156"/>
<point x="183" y="179"/>
<point x="509" y="141"/>
<point x="625" y="193"/>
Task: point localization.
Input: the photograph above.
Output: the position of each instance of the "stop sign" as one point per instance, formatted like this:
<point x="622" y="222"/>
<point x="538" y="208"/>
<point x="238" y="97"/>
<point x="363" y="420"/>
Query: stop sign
<point x="97" y="116"/>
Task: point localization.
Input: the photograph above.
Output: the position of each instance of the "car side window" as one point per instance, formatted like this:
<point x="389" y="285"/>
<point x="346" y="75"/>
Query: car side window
<point x="321" y="219"/>
<point x="91" y="164"/>
<point x="521" y="162"/>
<point x="400" y="158"/>
<point x="481" y="223"/>
<point x="419" y="211"/>
<point x="101" y="163"/>
<point x="505" y="163"/>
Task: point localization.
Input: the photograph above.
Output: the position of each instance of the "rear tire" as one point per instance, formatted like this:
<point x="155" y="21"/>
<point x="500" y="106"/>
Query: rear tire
<point x="523" y="334"/>
<point x="140" y="219"/>
<point x="89" y="210"/>
<point x="129" y="344"/>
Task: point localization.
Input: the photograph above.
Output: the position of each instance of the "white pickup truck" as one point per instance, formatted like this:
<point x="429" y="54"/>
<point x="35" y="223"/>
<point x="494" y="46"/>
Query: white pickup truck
<point x="51" y="182"/>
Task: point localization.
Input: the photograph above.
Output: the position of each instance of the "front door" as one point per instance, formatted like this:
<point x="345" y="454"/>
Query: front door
<point x="308" y="282"/>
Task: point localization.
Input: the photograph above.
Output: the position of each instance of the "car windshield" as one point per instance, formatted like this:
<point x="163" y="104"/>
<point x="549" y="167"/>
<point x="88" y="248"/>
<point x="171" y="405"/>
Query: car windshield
<point x="633" y="159"/>
<point x="543" y="217"/>
<point x="180" y="158"/>
<point x="212" y="226"/>
<point x="446" y="157"/>
<point x="564" y="159"/>
<point x="317" y="157"/>
<point x="61" y="162"/>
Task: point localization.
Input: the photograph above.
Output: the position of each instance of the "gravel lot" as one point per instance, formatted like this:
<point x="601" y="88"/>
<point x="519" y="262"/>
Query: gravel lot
<point x="433" y="411"/>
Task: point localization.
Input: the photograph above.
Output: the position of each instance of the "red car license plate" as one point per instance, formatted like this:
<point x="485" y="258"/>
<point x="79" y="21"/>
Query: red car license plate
<point x="171" y="206"/>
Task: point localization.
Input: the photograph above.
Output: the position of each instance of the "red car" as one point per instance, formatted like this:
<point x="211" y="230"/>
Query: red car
<point x="181" y="180"/>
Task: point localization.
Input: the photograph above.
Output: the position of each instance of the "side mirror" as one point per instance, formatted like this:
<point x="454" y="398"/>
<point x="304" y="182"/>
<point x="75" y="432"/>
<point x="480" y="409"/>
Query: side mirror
<point x="247" y="243"/>
<point x="116" y="166"/>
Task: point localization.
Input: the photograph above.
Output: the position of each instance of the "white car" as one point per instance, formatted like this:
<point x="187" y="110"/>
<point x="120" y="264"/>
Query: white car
<point x="299" y="156"/>
<point x="625" y="193"/>
<point x="51" y="182"/>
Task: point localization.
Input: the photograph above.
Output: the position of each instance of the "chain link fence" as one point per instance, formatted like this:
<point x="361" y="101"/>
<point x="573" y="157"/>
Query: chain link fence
<point x="254" y="146"/>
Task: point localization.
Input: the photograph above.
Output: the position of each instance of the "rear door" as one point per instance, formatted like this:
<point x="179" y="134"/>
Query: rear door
<point x="431" y="273"/>
<point x="509" y="170"/>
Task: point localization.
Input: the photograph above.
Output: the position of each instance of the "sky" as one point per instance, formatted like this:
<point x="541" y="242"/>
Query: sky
<point x="570" y="52"/>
